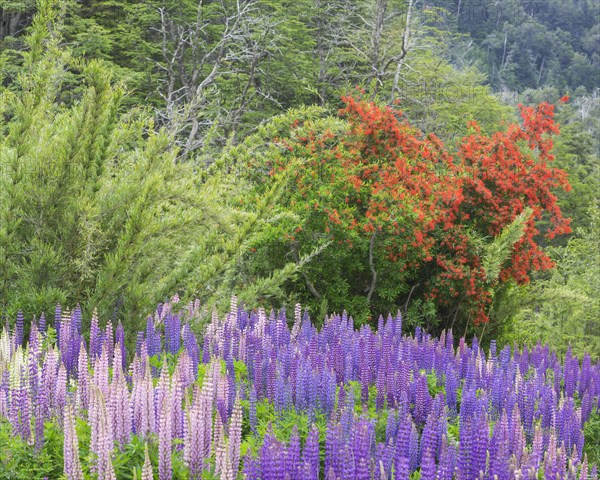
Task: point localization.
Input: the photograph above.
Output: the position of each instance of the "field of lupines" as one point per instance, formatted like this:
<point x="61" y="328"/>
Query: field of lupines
<point x="258" y="399"/>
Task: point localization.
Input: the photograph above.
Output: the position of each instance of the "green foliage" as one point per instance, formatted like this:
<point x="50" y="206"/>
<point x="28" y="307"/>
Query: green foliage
<point x="94" y="207"/>
<point x="500" y="249"/>
<point x="19" y="461"/>
<point x="591" y="433"/>
<point x="561" y="308"/>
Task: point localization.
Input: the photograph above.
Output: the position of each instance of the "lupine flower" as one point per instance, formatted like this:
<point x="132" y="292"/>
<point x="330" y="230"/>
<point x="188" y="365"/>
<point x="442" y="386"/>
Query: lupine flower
<point x="19" y="328"/>
<point x="147" y="473"/>
<point x="164" y="427"/>
<point x="102" y="436"/>
<point x="119" y="402"/>
<point x="537" y="425"/>
<point x="310" y="455"/>
<point x="428" y="469"/>
<point x="72" y="465"/>
<point x="235" y="436"/>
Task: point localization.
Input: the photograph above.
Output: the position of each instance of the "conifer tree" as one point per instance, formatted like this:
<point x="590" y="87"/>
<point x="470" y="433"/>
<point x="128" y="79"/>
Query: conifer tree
<point x="94" y="208"/>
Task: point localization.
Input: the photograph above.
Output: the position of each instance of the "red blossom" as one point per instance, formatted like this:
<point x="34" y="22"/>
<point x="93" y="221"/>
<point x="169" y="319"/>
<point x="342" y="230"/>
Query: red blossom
<point x="386" y="176"/>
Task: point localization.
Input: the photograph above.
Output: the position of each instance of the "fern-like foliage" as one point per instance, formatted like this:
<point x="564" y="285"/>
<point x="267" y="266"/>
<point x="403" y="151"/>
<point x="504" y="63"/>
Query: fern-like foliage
<point x="498" y="252"/>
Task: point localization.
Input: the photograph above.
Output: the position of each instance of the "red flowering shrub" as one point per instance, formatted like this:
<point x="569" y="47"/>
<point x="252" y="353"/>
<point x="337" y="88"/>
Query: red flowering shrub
<point x="408" y="216"/>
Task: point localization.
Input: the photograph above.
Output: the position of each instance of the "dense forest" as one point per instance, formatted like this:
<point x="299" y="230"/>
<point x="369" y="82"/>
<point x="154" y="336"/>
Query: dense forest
<point x="299" y="240"/>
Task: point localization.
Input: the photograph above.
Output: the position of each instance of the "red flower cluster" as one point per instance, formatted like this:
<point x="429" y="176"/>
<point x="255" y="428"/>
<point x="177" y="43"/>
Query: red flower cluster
<point x="384" y="177"/>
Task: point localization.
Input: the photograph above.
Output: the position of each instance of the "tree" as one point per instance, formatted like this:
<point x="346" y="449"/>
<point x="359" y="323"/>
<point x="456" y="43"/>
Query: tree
<point x="411" y="219"/>
<point x="14" y="16"/>
<point x="94" y="208"/>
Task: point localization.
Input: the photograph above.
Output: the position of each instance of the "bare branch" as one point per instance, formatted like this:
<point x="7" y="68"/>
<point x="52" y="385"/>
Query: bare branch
<point x="409" y="296"/>
<point x="372" y="266"/>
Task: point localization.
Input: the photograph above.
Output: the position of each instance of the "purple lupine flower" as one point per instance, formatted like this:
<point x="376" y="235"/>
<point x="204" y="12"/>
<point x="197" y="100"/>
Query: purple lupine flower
<point x="333" y="447"/>
<point x="550" y="459"/>
<point x="517" y="435"/>
<point x="57" y="319"/>
<point x="363" y="436"/>
<point x="222" y="467"/>
<point x="451" y="386"/>
<point x="480" y="445"/>
<point x="252" y="410"/>
<point x="191" y="345"/>
<point x="270" y="459"/>
<point x="380" y="386"/>
<point x="347" y="417"/>
<point x="429" y="440"/>
<point x="42" y="408"/>
<point x="25" y="409"/>
<point x="108" y="341"/>
<point x="535" y="458"/>
<point x="192" y="446"/>
<point x="447" y="460"/>
<point x="42" y="324"/>
<point x="119" y="403"/>
<point x="143" y="403"/>
<point x="252" y="468"/>
<point x="422" y="400"/>
<point x="100" y="378"/>
<point x="403" y="440"/>
<point x="153" y="339"/>
<point x="172" y="333"/>
<point x="207" y="396"/>
<point x="310" y="454"/>
<point x="465" y="452"/>
<point x="95" y="343"/>
<point x="60" y="392"/>
<point x="120" y="342"/>
<point x="428" y="470"/>
<point x="297" y="321"/>
<point x="292" y="465"/>
<point x="391" y="428"/>
<point x="176" y="406"/>
<point x="414" y="448"/>
<point x="402" y="468"/>
<point x="139" y="342"/>
<point x="499" y="450"/>
<point x="586" y="407"/>
<point x="348" y="470"/>
<point x="19" y="329"/>
<point x="583" y="472"/>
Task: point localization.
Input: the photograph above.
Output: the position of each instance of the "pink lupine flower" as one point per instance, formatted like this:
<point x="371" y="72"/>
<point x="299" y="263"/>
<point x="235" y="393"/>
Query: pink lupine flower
<point x="72" y="465"/>
<point x="83" y="376"/>
<point x="176" y="406"/>
<point x="164" y="426"/>
<point x="193" y="436"/>
<point x="235" y="436"/>
<point x="147" y="473"/>
<point x="142" y="399"/>
<point x="101" y="373"/>
<point x="119" y="402"/>
<point x="102" y="436"/>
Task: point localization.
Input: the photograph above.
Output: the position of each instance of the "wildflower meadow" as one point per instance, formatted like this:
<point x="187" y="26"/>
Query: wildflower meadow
<point x="265" y="396"/>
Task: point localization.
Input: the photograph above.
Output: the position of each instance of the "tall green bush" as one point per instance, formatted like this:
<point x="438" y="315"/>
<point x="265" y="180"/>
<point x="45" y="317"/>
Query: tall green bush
<point x="94" y="208"/>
